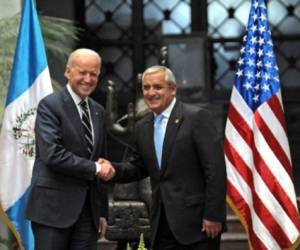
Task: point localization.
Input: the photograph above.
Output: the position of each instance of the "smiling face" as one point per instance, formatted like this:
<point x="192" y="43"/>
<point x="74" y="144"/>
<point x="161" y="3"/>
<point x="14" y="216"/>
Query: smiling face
<point x="82" y="72"/>
<point x="157" y="92"/>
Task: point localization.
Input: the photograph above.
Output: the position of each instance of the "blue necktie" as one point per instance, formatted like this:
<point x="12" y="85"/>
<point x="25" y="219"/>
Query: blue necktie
<point x="158" y="137"/>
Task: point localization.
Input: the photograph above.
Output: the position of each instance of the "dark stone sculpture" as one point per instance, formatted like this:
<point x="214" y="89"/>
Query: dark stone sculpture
<point x="129" y="203"/>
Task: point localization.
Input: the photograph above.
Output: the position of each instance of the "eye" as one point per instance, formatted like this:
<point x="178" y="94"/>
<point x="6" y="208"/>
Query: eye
<point x="146" y="87"/>
<point x="157" y="87"/>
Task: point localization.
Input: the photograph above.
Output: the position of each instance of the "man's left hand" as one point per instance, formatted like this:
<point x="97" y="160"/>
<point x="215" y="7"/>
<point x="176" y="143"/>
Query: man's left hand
<point x="102" y="227"/>
<point x="212" y="228"/>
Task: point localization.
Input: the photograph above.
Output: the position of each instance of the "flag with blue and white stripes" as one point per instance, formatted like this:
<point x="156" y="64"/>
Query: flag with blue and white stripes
<point x="29" y="83"/>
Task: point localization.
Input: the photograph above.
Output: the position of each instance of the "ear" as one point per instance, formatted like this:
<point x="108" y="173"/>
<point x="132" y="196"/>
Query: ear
<point x="67" y="72"/>
<point x="174" y="89"/>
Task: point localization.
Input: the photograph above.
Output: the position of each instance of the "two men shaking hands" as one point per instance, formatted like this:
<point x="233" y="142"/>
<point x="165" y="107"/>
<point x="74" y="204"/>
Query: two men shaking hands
<point x="107" y="171"/>
<point x="176" y="145"/>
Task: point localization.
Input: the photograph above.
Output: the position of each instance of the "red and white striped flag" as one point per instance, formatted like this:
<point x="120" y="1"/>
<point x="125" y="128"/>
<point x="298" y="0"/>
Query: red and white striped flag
<point x="259" y="169"/>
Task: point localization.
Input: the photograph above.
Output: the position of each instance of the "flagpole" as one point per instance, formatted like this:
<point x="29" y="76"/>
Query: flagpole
<point x="11" y="228"/>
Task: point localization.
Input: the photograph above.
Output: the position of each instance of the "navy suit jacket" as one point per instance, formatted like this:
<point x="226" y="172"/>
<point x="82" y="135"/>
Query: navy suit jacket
<point x="63" y="173"/>
<point x="191" y="183"/>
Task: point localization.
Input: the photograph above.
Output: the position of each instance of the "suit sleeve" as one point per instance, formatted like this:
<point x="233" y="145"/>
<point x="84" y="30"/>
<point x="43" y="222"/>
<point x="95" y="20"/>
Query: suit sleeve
<point x="104" y="200"/>
<point x="129" y="171"/>
<point x="134" y="169"/>
<point x="50" y="143"/>
<point x="209" y="149"/>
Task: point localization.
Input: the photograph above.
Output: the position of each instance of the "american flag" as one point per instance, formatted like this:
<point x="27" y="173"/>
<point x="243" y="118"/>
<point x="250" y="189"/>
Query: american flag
<point x="257" y="154"/>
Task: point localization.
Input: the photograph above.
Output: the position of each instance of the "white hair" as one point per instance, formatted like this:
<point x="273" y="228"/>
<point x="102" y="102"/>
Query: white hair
<point x="169" y="76"/>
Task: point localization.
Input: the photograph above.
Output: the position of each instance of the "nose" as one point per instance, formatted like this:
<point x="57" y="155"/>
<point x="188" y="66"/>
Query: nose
<point x="87" y="77"/>
<point x="151" y="91"/>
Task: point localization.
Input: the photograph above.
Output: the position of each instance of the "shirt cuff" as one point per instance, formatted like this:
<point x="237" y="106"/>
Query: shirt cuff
<point x="98" y="167"/>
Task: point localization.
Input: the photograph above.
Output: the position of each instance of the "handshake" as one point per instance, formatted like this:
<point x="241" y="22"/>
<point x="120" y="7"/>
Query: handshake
<point x="107" y="170"/>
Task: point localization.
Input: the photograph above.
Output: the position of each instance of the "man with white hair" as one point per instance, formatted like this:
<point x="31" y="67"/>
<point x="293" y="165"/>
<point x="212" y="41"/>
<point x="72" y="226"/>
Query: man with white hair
<point x="68" y="202"/>
<point x="177" y="145"/>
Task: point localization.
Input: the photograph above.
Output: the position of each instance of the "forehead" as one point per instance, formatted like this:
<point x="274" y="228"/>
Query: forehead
<point x="87" y="61"/>
<point x="157" y="77"/>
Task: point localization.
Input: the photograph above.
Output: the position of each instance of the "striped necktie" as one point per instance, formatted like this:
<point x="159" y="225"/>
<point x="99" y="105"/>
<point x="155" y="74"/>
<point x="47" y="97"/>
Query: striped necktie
<point x="159" y="135"/>
<point x="85" y="119"/>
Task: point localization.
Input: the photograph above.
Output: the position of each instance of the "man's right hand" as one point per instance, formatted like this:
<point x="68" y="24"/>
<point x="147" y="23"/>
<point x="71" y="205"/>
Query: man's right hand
<point x="107" y="170"/>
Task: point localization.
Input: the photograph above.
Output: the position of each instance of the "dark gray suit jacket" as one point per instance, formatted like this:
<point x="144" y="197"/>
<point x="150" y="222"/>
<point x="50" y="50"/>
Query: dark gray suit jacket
<point x="192" y="181"/>
<point x="62" y="172"/>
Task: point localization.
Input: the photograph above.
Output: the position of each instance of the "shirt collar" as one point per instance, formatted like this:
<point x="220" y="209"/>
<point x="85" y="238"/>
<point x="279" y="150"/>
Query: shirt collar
<point x="76" y="98"/>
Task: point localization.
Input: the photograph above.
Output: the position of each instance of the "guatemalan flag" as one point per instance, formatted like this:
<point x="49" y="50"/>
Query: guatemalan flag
<point x="29" y="83"/>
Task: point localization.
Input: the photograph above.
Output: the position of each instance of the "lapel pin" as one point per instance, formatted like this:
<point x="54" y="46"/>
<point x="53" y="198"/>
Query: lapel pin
<point x="177" y="120"/>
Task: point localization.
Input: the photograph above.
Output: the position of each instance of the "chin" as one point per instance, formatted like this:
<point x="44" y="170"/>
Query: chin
<point x="155" y="110"/>
<point x="153" y="106"/>
<point x="86" y="93"/>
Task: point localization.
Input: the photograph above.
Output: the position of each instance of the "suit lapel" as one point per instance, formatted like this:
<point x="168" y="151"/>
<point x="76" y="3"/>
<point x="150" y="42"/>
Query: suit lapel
<point x="71" y="112"/>
<point x="173" y="125"/>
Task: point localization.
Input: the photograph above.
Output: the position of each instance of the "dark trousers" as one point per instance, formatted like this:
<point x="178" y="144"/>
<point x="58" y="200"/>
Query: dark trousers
<point x="80" y="236"/>
<point x="165" y="239"/>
